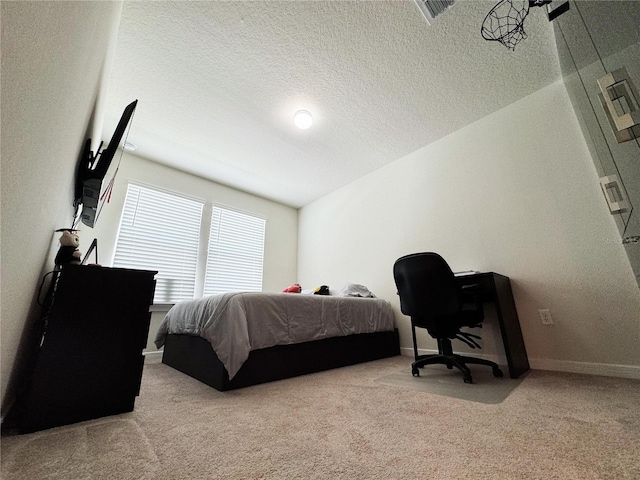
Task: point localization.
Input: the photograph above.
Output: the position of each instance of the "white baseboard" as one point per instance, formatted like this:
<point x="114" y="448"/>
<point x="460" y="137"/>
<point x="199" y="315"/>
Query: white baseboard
<point x="587" y="368"/>
<point x="153" y="354"/>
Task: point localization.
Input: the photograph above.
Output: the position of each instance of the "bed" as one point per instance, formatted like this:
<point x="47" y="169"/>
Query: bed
<point x="234" y="340"/>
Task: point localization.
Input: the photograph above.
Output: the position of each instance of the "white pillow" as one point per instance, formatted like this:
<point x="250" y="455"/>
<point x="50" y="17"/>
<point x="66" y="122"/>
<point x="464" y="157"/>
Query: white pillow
<point x="351" y="290"/>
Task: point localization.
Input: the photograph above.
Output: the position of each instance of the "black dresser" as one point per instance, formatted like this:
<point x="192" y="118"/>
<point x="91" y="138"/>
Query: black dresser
<point x="89" y="364"/>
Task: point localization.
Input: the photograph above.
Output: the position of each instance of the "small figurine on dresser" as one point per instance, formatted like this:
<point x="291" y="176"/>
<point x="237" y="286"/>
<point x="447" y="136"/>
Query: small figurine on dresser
<point x="68" y="251"/>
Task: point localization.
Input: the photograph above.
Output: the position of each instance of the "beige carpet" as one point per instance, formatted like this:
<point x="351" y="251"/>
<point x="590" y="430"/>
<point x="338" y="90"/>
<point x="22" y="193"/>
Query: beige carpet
<point x="344" y="424"/>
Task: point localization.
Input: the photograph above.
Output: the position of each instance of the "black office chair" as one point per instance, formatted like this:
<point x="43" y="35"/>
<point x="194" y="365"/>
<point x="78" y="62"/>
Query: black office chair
<point x="431" y="296"/>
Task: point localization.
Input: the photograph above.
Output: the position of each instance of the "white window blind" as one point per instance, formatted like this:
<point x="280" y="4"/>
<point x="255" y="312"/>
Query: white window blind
<point x="236" y="251"/>
<point x="161" y="231"/>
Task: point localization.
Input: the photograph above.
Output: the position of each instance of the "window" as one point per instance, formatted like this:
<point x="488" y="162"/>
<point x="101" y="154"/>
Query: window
<point x="162" y="231"/>
<point x="236" y="249"/>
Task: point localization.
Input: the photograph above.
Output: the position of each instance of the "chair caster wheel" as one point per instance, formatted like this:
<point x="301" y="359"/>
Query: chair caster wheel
<point x="498" y="373"/>
<point x="415" y="372"/>
<point x="468" y="380"/>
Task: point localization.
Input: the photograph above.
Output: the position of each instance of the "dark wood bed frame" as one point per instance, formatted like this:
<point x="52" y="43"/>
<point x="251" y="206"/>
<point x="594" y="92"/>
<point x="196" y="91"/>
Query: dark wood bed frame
<point x="195" y="357"/>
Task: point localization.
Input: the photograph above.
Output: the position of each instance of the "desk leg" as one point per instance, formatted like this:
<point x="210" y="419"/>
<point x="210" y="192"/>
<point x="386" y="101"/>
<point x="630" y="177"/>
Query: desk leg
<point x="512" y="340"/>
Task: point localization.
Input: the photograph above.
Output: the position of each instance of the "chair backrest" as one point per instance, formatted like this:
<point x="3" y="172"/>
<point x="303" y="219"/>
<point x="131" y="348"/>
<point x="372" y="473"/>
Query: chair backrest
<point x="427" y="287"/>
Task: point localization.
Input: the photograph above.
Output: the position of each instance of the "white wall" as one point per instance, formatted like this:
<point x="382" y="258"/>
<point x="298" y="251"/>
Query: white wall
<point x="52" y="56"/>
<point x="280" y="253"/>
<point x="515" y="193"/>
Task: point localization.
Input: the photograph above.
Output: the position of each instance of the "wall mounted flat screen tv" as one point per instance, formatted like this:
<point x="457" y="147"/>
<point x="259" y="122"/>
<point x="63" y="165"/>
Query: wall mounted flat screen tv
<point x="96" y="173"/>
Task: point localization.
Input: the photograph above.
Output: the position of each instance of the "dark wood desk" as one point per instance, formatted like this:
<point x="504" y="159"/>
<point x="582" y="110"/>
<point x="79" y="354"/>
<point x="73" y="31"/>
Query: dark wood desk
<point x="496" y="288"/>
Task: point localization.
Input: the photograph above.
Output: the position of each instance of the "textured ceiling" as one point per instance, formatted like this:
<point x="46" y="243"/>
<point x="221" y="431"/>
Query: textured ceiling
<point x="218" y="84"/>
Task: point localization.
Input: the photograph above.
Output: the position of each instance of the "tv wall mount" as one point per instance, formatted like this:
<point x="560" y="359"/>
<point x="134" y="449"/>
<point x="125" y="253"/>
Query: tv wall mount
<point x="95" y="174"/>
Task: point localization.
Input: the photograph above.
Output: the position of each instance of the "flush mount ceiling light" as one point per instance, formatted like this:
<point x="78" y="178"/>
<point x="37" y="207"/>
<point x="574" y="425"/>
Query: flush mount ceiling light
<point x="303" y="119"/>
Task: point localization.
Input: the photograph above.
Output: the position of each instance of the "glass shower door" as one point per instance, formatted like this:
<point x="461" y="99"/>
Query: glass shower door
<point x="596" y="40"/>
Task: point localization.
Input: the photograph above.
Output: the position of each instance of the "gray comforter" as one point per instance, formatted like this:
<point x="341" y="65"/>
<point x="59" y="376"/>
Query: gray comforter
<point x="236" y="323"/>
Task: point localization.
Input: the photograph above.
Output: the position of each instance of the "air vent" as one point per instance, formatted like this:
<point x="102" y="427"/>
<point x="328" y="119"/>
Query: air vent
<point x="431" y="9"/>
